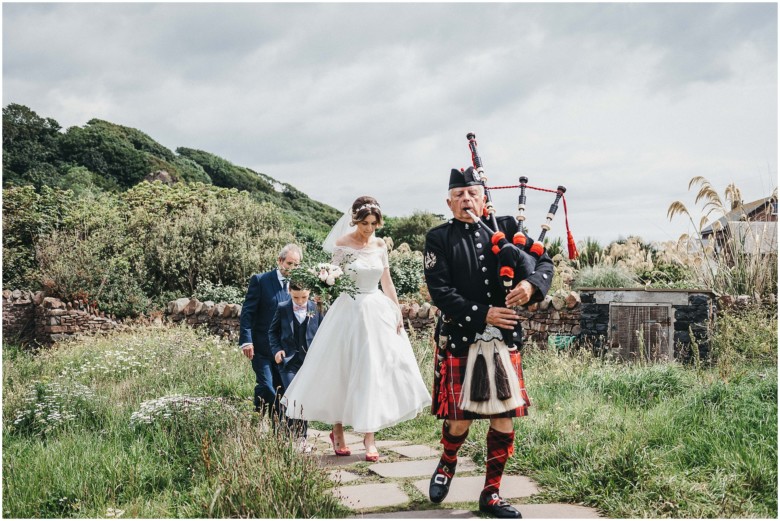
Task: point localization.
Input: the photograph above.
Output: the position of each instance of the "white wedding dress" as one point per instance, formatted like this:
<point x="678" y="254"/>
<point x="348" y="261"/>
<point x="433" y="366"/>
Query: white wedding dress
<point x="359" y="371"/>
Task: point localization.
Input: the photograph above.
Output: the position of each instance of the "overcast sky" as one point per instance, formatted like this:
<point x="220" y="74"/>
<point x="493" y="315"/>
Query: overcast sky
<point x="621" y="103"/>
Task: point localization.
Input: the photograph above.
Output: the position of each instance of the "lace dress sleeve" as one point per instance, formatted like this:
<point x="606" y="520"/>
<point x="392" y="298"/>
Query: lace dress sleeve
<point x="385" y="261"/>
<point x="340" y="257"/>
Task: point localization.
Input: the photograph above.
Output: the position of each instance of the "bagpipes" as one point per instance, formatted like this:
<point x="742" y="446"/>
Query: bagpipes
<point x="516" y="259"/>
<point x="488" y="389"/>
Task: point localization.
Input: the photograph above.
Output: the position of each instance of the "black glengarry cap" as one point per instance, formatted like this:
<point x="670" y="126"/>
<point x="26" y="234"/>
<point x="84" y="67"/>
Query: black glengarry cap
<point x="460" y="179"/>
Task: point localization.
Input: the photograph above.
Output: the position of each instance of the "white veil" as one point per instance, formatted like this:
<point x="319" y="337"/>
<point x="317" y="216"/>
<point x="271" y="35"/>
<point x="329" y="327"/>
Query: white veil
<point x="341" y="228"/>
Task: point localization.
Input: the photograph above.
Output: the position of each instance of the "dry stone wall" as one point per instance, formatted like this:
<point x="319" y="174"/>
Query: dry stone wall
<point x="56" y="320"/>
<point x="222" y="319"/>
<point x="18" y="315"/>
<point x="33" y="317"/>
<point x="558" y="314"/>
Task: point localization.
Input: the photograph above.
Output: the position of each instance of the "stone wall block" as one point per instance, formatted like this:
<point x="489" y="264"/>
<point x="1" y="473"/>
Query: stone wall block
<point x="218" y="309"/>
<point x="192" y="307"/>
<point x="52" y="303"/>
<point x="177" y="306"/>
<point x="572" y="299"/>
<point x="37" y="297"/>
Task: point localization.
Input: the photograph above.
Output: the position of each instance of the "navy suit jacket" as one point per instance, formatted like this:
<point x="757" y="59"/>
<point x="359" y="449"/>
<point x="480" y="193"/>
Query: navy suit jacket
<point x="263" y="296"/>
<point x="281" y="335"/>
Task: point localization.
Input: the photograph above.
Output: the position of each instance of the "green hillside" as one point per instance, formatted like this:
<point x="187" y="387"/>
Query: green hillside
<point x="114" y="158"/>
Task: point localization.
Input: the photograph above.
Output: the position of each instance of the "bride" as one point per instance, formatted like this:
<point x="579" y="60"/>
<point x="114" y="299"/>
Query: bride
<point x="360" y="369"/>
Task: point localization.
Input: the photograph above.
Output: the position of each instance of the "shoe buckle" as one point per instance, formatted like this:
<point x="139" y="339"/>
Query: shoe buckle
<point x="497" y="500"/>
<point x="440" y="479"/>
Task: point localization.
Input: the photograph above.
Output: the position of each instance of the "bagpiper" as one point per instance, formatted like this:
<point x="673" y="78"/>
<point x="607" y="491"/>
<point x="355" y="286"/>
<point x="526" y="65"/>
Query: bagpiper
<point x="479" y="372"/>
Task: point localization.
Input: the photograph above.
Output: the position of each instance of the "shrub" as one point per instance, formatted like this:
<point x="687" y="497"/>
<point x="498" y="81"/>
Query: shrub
<point x="206" y="233"/>
<point x="412" y="229"/>
<point x="745" y="336"/>
<point x="605" y="276"/>
<point x="208" y="290"/>
<point x="590" y="253"/>
<point x="93" y="267"/>
<point x="406" y="269"/>
<point x="554" y="247"/>
<point x="28" y="216"/>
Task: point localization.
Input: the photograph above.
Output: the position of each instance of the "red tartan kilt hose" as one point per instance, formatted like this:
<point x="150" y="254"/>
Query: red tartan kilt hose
<point x="447" y="389"/>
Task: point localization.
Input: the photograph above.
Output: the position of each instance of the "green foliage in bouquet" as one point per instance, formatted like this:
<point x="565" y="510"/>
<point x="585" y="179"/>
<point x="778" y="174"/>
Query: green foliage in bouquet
<point x="325" y="280"/>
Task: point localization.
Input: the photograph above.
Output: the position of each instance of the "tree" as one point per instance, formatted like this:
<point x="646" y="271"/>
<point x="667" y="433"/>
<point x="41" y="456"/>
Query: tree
<point x="412" y="229"/>
<point x="105" y="151"/>
<point x="30" y="147"/>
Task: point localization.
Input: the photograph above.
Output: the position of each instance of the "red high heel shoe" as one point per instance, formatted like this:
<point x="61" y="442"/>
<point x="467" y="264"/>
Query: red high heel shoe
<point x="372" y="456"/>
<point x="339" y="452"/>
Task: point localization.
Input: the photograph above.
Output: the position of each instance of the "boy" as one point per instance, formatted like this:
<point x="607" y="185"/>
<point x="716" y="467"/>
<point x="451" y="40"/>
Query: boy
<point x="292" y="329"/>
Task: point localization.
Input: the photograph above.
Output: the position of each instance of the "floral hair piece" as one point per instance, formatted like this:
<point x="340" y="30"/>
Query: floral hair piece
<point x="365" y="207"/>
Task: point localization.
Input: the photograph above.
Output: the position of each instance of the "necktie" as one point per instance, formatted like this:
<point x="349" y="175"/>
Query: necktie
<point x="285" y="284"/>
<point x="299" y="308"/>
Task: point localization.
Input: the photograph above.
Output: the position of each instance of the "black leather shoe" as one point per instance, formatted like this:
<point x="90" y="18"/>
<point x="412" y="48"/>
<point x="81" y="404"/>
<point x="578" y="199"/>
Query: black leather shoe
<point x="494" y="505"/>
<point x="440" y="481"/>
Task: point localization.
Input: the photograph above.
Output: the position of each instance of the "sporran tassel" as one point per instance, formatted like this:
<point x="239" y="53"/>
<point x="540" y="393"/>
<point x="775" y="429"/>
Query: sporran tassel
<point x="503" y="392"/>
<point x="480" y="383"/>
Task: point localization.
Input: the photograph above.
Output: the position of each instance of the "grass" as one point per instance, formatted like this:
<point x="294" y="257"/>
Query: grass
<point x="650" y="440"/>
<point x="645" y="440"/>
<point x="637" y="440"/>
<point x="72" y="446"/>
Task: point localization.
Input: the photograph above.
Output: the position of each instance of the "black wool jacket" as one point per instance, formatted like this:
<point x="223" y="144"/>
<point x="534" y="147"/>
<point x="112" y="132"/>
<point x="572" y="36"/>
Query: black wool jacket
<point x="462" y="276"/>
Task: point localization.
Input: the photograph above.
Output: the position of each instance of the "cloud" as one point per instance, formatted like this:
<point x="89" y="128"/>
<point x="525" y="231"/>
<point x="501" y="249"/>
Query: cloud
<point x="619" y="102"/>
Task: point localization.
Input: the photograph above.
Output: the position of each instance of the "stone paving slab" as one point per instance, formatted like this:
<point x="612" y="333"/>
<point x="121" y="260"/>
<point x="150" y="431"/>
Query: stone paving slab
<point x="551" y="511"/>
<point x="468" y="488"/>
<point x="415" y="468"/>
<point x="438" y="513"/>
<point x="342" y="476"/>
<point x="380" y="444"/>
<point x="359" y="447"/>
<point x="557" y="511"/>
<point x="383" y="444"/>
<point x="417" y="451"/>
<point x="324" y="436"/>
<point x="329" y="459"/>
<point x="362" y="497"/>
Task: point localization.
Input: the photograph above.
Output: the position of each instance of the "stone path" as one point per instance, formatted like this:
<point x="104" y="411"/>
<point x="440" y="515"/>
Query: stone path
<point x="396" y="487"/>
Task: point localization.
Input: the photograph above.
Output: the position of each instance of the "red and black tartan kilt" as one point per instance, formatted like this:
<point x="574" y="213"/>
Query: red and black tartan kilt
<point x="447" y="383"/>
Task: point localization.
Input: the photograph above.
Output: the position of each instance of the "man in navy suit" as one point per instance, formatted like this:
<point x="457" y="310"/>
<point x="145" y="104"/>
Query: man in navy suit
<point x="293" y="328"/>
<point x="262" y="298"/>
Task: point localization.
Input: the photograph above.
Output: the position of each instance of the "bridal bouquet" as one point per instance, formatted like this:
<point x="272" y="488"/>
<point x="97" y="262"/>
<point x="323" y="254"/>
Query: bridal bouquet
<point x="327" y="281"/>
